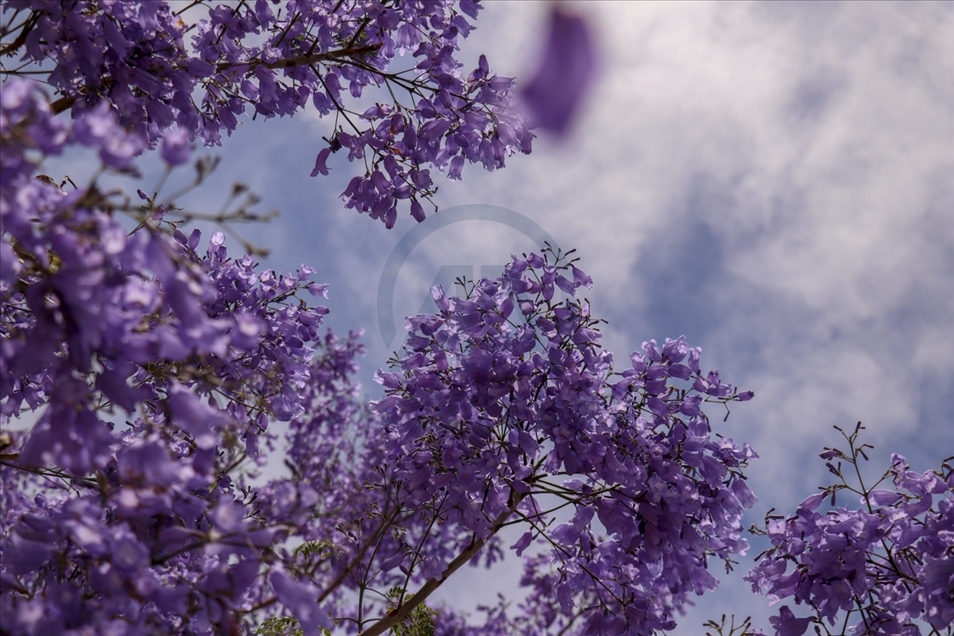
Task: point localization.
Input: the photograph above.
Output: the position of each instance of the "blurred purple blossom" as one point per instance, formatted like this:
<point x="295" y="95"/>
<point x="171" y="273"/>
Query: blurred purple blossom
<point x="176" y="147"/>
<point x="565" y="73"/>
<point x="301" y="601"/>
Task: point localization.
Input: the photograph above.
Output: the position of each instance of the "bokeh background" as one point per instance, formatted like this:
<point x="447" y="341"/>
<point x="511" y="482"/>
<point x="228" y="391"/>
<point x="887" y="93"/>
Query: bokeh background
<point x="773" y="180"/>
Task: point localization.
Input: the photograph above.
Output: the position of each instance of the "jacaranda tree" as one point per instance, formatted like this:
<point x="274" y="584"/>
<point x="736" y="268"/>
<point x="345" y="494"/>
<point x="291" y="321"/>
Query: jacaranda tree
<point x="144" y="368"/>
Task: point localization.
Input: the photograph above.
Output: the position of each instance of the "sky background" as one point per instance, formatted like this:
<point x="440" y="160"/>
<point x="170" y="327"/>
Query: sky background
<point x="773" y="180"/>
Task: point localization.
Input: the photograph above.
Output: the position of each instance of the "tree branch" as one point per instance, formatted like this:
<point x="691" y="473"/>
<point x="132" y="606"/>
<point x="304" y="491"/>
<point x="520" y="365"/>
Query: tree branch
<point x="64" y="103"/>
<point x="399" y="613"/>
<point x="301" y="60"/>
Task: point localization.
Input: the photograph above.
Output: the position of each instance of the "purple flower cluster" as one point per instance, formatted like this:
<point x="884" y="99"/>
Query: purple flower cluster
<point x="142" y="62"/>
<point x="506" y="410"/>
<point x="29" y="132"/>
<point x="152" y="371"/>
<point x="889" y="565"/>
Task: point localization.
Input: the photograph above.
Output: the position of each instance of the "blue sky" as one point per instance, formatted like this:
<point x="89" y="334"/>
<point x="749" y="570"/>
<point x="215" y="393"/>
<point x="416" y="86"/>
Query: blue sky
<point x="773" y="180"/>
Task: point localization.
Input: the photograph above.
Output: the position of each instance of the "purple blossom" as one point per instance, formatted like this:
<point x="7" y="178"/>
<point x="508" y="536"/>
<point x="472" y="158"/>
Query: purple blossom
<point x="176" y="147"/>
<point x="299" y="598"/>
<point x="786" y="624"/>
<point x="564" y="75"/>
<point x="100" y="129"/>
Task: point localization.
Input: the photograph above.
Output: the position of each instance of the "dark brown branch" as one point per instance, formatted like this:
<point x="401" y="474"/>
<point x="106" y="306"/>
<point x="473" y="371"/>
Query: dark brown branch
<point x="302" y="60"/>
<point x="21" y="38"/>
<point x="62" y="104"/>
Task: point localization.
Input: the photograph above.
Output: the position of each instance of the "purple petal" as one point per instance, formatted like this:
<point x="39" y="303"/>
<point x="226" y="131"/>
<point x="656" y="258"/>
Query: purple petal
<point x="176" y="147"/>
<point x="301" y="599"/>
<point x="564" y="75"/>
